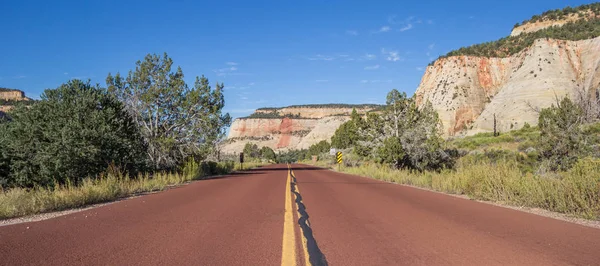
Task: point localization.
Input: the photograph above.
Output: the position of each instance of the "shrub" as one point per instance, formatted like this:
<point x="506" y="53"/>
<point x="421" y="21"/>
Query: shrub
<point x="562" y="140"/>
<point x="74" y="132"/>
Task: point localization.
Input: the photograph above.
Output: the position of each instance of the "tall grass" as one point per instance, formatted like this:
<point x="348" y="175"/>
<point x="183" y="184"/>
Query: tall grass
<point x="110" y="186"/>
<point x="575" y="192"/>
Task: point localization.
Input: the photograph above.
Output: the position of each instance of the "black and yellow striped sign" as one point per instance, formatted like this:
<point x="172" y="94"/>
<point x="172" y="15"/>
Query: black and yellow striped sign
<point x="338" y="157"/>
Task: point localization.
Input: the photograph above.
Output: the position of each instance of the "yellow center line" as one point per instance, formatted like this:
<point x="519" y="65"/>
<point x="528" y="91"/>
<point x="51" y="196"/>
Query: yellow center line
<point x="304" y="240"/>
<point x="288" y="251"/>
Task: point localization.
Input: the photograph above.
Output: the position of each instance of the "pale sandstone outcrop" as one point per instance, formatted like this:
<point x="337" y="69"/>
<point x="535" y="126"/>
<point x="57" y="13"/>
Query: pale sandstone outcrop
<point x="467" y="91"/>
<point x="282" y="134"/>
<point x="14" y="95"/>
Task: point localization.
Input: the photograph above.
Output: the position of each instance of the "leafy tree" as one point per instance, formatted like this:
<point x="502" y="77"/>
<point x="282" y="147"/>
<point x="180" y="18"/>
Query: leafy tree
<point x="251" y="150"/>
<point x="404" y="135"/>
<point x="4" y="156"/>
<point x="347" y="134"/>
<point x="562" y="140"/>
<point x="318" y="148"/>
<point x="267" y="153"/>
<point x="74" y="132"/>
<point x="176" y="121"/>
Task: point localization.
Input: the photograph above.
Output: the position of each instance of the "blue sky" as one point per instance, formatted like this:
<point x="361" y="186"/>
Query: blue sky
<point x="268" y="53"/>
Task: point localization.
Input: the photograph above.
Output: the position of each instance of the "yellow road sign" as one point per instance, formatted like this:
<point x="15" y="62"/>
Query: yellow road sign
<point x="338" y="157"/>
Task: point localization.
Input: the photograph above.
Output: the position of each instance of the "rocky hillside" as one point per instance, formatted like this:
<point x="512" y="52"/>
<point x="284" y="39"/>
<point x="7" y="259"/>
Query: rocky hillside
<point x="558" y="17"/>
<point x="8" y="97"/>
<point x="467" y="91"/>
<point x="292" y="127"/>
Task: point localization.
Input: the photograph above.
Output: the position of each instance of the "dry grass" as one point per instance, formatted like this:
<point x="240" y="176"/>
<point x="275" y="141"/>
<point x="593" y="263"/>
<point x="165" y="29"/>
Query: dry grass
<point x="20" y="202"/>
<point x="575" y="192"/>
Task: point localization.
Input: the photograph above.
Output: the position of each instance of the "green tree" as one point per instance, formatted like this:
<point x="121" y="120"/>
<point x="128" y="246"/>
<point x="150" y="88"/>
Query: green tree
<point x="176" y="121"/>
<point x="562" y="140"/>
<point x="251" y="150"/>
<point x="347" y="134"/>
<point x="74" y="132"/>
<point x="318" y="148"/>
<point x="404" y="135"/>
<point x="267" y="153"/>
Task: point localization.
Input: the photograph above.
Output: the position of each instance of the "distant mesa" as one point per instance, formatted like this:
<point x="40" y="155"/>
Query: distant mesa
<point x="9" y="97"/>
<point x="291" y="127"/>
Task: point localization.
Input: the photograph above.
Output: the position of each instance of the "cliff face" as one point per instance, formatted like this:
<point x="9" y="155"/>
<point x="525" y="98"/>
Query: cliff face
<point x="311" y="125"/>
<point x="14" y="95"/>
<point x="467" y="91"/>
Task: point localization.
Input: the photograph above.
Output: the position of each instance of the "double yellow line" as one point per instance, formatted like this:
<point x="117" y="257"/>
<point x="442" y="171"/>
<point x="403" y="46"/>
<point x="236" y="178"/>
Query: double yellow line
<point x="288" y="251"/>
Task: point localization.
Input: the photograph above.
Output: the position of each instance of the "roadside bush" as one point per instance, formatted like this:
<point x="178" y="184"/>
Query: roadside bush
<point x="74" y="132"/>
<point x="562" y="140"/>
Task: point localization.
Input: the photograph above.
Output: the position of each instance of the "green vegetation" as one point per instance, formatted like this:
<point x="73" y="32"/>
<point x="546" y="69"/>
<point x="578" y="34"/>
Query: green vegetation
<point x="253" y="153"/>
<point x="553" y="165"/>
<point x="274" y="115"/>
<point x="107" y="187"/>
<point x="74" y="132"/>
<point x="328" y="105"/>
<point x="318" y="149"/>
<point x="83" y="144"/>
<point x="559" y="14"/>
<point x="574" y="31"/>
<point x="176" y="121"/>
<point x="347" y="134"/>
<point x="13" y="102"/>
<point x="573" y="192"/>
<point x="2" y="89"/>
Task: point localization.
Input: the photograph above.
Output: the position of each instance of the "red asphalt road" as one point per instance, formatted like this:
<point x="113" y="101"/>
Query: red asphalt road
<point x="238" y="220"/>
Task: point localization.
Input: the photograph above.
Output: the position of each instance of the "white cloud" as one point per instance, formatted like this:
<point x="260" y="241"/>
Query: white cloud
<point x="66" y="73"/>
<point x="471" y="17"/>
<point x="419" y="68"/>
<point x="391" y="55"/>
<point x="251" y="84"/>
<point x="320" y="57"/>
<point x="407" y="27"/>
<point x="372" y="67"/>
<point x="352" y="32"/>
<point x="384" y="29"/>
<point x="431" y="46"/>
<point x="429" y="21"/>
<point x="228" y="70"/>
<point x="369" y="56"/>
<point x="244" y="98"/>
<point x="20" y="77"/>
<point x="364" y="81"/>
<point x="322" y="80"/>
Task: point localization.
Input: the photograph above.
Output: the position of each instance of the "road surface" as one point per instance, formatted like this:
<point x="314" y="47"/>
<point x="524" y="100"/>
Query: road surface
<point x="298" y="215"/>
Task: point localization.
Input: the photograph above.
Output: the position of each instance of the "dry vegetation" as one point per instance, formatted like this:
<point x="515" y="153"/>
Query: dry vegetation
<point x="574" y="192"/>
<point x="18" y="202"/>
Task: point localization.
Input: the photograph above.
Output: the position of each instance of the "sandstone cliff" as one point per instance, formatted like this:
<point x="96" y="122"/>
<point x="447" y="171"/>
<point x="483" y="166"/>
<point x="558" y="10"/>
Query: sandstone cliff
<point x="8" y="97"/>
<point x="12" y="95"/>
<point x="467" y="91"/>
<point x="303" y="127"/>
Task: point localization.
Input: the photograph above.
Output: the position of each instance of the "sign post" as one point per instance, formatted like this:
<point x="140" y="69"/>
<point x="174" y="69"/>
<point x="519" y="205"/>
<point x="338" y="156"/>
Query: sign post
<point x="241" y="160"/>
<point x="338" y="157"/>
